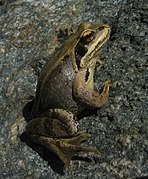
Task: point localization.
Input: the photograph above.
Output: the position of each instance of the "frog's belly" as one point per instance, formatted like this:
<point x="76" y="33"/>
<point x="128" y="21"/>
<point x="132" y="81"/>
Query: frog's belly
<point x="57" y="89"/>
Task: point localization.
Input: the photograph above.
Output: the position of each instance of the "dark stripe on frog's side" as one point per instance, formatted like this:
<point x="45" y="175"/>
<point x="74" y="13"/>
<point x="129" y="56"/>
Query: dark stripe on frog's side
<point x="87" y="75"/>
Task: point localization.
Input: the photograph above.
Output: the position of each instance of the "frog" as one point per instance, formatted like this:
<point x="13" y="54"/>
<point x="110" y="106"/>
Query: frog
<point x="65" y="89"/>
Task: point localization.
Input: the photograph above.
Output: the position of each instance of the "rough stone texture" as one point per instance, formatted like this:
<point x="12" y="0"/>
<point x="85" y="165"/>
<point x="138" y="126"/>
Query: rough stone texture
<point x="28" y="35"/>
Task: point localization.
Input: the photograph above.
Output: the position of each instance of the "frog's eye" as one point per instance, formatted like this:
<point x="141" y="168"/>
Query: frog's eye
<point x="87" y="36"/>
<point x="101" y="28"/>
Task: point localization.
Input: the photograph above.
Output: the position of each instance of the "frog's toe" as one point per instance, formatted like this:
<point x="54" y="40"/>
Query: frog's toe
<point x="78" y="138"/>
<point x="108" y="83"/>
<point x="100" y="61"/>
<point x="66" y="159"/>
<point x="74" y="144"/>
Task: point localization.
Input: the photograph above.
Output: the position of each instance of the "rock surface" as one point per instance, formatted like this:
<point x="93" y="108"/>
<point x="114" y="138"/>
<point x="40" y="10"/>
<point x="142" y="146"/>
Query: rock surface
<point x="28" y="35"/>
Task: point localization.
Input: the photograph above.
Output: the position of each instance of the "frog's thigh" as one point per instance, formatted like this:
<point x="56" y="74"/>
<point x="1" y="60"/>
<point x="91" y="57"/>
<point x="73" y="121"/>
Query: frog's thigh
<point x="66" y="119"/>
<point x="53" y="123"/>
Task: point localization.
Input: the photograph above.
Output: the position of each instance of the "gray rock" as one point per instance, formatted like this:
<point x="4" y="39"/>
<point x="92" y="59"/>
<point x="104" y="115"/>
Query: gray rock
<point x="28" y="36"/>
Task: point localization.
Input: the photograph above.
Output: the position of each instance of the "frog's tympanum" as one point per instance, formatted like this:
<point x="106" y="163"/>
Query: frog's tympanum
<point x="65" y="89"/>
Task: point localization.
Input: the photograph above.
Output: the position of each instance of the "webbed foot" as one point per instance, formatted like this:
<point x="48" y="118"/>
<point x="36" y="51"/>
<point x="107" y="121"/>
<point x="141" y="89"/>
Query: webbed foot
<point x="66" y="148"/>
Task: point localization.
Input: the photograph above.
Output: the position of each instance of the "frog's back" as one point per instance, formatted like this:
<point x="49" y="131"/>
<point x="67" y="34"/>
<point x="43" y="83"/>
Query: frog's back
<point x="55" y="89"/>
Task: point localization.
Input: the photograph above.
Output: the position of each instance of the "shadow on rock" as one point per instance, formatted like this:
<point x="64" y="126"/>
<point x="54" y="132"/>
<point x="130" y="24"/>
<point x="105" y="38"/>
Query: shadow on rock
<point x="27" y="111"/>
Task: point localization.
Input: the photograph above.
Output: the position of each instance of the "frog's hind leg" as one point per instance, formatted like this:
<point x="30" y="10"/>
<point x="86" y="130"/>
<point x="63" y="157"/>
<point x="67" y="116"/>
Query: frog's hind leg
<point x="65" y="148"/>
<point x="57" y="131"/>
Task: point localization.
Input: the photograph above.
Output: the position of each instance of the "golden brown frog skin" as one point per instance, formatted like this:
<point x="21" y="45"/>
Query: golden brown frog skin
<point x="66" y="88"/>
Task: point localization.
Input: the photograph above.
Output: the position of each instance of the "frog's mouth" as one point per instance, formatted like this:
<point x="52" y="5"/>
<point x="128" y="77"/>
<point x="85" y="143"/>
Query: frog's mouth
<point x="89" y="44"/>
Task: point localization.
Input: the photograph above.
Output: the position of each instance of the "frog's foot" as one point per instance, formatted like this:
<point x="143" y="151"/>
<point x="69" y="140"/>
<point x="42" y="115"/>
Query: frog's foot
<point x="99" y="62"/>
<point x="66" y="148"/>
<point x="64" y="33"/>
<point x="106" y="88"/>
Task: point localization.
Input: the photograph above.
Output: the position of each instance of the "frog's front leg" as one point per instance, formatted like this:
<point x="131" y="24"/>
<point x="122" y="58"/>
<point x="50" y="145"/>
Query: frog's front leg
<point x="57" y="131"/>
<point x="83" y="89"/>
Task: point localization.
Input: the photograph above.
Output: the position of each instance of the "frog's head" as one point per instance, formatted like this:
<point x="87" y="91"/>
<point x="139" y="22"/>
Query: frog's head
<point x="92" y="38"/>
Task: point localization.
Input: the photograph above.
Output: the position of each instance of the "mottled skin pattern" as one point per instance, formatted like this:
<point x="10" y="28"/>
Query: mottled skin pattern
<point x="65" y="88"/>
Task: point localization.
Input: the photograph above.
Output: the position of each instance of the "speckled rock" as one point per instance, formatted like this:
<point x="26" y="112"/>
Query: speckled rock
<point x="28" y="36"/>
